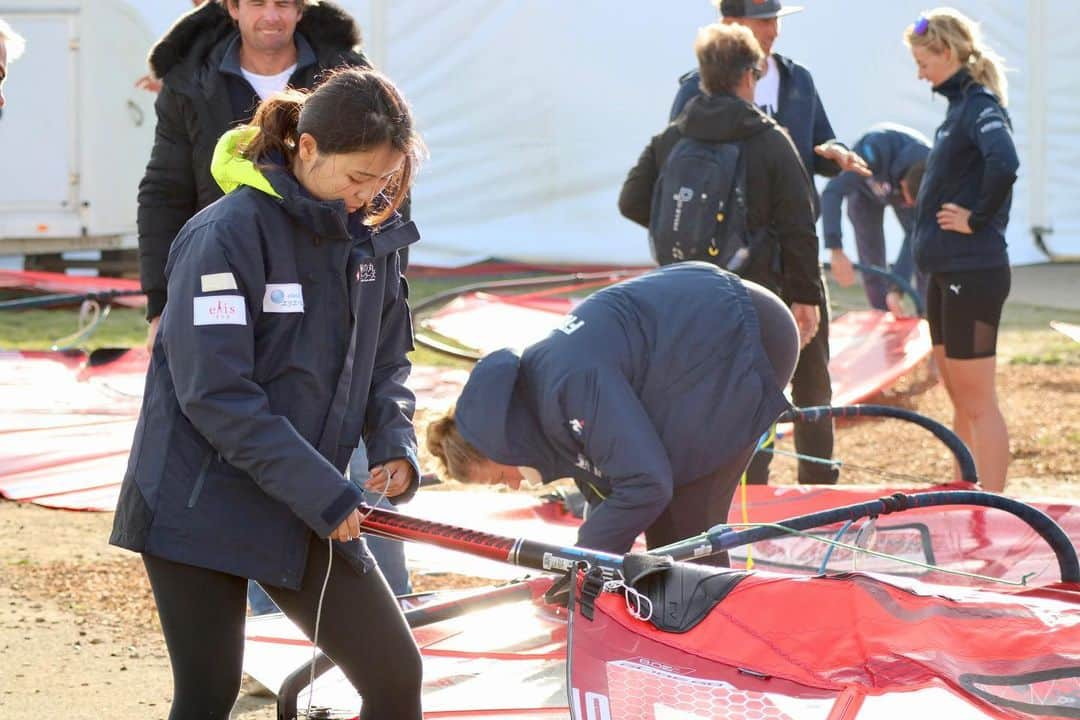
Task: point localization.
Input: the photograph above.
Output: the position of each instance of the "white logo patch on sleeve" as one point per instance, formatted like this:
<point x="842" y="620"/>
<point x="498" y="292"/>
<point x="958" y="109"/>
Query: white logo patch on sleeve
<point x="571" y="324"/>
<point x="218" y="281"/>
<point x="283" y="298"/>
<point x="220" y="310"/>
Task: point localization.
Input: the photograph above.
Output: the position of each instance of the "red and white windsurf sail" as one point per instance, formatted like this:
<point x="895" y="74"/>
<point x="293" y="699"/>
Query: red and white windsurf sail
<point x="654" y="640"/>
<point x="839" y="648"/>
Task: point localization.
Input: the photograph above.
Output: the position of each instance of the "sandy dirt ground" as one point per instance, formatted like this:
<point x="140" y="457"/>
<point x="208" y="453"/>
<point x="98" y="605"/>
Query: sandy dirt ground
<point x="79" y="635"/>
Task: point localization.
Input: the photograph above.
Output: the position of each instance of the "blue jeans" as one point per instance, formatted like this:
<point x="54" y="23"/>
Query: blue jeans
<point x="389" y="554"/>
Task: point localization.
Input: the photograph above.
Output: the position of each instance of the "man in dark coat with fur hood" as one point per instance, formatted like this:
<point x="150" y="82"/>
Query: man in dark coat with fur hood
<point x="215" y="64"/>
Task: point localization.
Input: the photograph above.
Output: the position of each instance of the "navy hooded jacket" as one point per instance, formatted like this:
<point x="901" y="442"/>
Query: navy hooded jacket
<point x="973" y="164"/>
<point x="800" y="112"/>
<point x="649" y="384"/>
<point x="282" y="346"/>
<point x="889" y="150"/>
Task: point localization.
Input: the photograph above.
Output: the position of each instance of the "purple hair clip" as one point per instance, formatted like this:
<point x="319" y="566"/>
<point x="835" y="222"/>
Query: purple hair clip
<point x="922" y="25"/>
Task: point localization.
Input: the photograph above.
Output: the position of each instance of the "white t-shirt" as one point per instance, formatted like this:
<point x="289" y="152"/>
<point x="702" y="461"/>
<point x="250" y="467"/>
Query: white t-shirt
<point x="767" y="92"/>
<point x="266" y="85"/>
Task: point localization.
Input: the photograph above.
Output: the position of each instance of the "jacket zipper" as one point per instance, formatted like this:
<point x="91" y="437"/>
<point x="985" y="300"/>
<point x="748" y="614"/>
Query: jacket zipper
<point x="197" y="490"/>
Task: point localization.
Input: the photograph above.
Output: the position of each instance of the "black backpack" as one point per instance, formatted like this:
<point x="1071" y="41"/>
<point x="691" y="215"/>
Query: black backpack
<point x="699" y="207"/>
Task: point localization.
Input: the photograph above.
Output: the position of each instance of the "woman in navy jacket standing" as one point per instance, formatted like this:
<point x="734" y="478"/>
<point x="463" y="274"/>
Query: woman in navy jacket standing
<point x="961" y="215"/>
<point x="283" y="347"/>
<point x="652" y="396"/>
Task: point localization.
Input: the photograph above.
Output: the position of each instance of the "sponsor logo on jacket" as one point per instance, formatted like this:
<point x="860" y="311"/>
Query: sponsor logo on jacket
<point x="366" y="272"/>
<point x="571" y="325"/>
<point x="220" y="310"/>
<point x="283" y="298"/>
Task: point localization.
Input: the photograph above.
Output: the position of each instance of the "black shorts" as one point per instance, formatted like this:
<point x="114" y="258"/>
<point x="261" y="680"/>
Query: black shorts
<point x="964" y="310"/>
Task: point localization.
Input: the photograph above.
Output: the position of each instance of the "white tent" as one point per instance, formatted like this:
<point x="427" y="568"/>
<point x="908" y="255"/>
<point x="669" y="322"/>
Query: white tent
<point x="535" y="109"/>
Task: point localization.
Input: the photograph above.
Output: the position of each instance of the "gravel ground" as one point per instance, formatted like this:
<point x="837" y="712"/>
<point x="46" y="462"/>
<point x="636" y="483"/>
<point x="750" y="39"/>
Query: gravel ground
<point x="79" y="636"/>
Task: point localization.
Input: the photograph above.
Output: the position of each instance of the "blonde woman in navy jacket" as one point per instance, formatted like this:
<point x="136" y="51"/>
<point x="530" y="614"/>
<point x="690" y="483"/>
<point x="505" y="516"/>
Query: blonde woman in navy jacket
<point x="961" y="215"/>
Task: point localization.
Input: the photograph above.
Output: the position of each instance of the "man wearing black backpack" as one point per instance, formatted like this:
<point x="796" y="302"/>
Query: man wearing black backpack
<point x="787" y="93"/>
<point x="725" y="184"/>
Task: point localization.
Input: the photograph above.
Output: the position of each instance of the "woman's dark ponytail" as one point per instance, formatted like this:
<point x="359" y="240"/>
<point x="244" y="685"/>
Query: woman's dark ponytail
<point x="277" y="119"/>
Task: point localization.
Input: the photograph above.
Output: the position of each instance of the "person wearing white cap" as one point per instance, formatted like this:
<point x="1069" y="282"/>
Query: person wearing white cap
<point x="786" y="93"/>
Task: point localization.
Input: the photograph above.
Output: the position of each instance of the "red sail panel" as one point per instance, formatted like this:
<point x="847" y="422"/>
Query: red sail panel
<point x="844" y="647"/>
<point x="60" y="283"/>
<point x="502" y="662"/>
<point x="870" y="349"/>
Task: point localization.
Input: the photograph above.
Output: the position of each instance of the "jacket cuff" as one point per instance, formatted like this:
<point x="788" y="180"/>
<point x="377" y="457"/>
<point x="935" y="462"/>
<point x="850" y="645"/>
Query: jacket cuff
<point x="335" y="514"/>
<point x="155" y="303"/>
<point x="409" y="456"/>
<point x="977" y="221"/>
<point x="803" y="294"/>
<point x="834" y="241"/>
<point x="386" y="446"/>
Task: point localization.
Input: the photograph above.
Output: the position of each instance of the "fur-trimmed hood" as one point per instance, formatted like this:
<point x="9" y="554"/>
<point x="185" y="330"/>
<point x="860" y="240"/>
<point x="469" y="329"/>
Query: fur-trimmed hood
<point x="327" y="26"/>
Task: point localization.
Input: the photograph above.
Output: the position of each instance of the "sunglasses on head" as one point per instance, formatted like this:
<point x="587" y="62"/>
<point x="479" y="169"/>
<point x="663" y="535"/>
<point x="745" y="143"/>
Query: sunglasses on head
<point x="922" y="25"/>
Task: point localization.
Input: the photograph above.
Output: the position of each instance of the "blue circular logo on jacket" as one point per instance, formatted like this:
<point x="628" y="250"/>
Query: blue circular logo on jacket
<point x="277" y="296"/>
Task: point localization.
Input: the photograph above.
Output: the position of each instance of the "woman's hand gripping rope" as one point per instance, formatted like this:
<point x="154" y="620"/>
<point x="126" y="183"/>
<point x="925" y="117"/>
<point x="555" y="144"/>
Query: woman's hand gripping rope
<point x="390" y="480"/>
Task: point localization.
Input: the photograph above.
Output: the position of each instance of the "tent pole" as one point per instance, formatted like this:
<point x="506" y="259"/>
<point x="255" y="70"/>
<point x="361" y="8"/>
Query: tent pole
<point x="1036" y="166"/>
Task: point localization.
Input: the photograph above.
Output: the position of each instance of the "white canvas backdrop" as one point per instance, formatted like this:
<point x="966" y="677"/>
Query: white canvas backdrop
<point x="534" y="110"/>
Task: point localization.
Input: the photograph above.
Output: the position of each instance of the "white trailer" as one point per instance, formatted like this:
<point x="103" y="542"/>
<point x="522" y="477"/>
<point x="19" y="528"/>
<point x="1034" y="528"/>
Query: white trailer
<point x="76" y="133"/>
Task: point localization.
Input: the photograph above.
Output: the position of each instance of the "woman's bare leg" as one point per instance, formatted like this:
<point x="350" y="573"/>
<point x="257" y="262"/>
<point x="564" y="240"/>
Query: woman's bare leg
<point x="977" y="418"/>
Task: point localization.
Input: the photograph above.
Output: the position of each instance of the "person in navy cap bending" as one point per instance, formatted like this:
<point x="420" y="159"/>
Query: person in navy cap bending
<point x="652" y="396"/>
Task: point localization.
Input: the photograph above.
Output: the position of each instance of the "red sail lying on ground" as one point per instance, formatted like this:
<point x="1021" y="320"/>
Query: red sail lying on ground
<point x="870" y="350"/>
<point x="848" y="647"/>
<point x="852" y="646"/>
<point x="52" y="283"/>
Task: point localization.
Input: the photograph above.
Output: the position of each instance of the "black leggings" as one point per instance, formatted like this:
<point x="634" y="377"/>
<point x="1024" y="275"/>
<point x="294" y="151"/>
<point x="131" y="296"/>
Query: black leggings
<point x="963" y="310"/>
<point x="705" y="502"/>
<point x="362" y="629"/>
<point x="696" y="507"/>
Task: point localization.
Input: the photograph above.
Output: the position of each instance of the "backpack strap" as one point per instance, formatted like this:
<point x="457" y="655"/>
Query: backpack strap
<point x="730" y="196"/>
